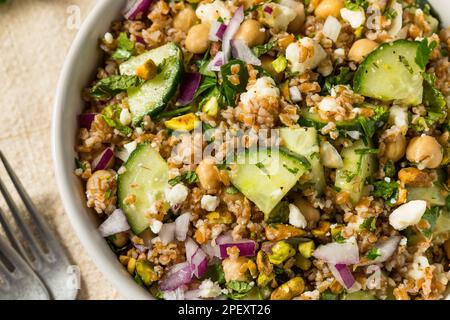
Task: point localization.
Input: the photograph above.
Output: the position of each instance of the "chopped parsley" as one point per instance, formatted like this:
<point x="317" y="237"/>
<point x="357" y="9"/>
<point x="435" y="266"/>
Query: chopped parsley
<point x="386" y="190"/>
<point x="373" y="253"/>
<point x="356" y="4"/>
<point x="188" y="177"/>
<point x="369" y="224"/>
<point x="234" y="80"/>
<point x="215" y="273"/>
<point x="431" y="216"/>
<point x="238" y="289"/>
<point x="125" y="48"/>
<point x="231" y="190"/>
<point x="80" y="165"/>
<point x="424" y="52"/>
<point x="434" y="100"/>
<point x="343" y="76"/>
<point x="264" y="48"/>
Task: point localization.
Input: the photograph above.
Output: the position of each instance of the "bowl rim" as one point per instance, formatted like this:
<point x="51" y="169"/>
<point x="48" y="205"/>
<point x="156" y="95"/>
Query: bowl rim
<point x="85" y="231"/>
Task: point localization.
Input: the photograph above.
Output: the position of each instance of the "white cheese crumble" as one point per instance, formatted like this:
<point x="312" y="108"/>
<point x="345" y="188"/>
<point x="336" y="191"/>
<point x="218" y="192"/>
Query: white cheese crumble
<point x="315" y="55"/>
<point x="398" y="117"/>
<point x="155" y="226"/>
<point x="177" y="194"/>
<point x="209" y="203"/>
<point x="418" y="267"/>
<point x="355" y="18"/>
<point x="209" y="12"/>
<point x="209" y="289"/>
<point x="280" y="17"/>
<point x="263" y="88"/>
<point x="408" y="214"/>
<point x="296" y="218"/>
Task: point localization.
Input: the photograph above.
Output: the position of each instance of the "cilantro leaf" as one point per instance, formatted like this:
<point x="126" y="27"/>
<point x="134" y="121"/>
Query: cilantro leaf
<point x="344" y="76"/>
<point x="108" y="87"/>
<point x="373" y="253"/>
<point x="369" y="224"/>
<point x="264" y="48"/>
<point x="423" y="53"/>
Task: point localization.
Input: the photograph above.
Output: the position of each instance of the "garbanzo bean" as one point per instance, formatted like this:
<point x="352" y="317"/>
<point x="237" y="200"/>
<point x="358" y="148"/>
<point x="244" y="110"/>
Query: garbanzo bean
<point x="297" y="24"/>
<point x="328" y="8"/>
<point x="185" y="19"/>
<point x="208" y="175"/>
<point x="251" y="32"/>
<point x="425" y="150"/>
<point x="311" y="214"/>
<point x="395" y="147"/>
<point x="360" y="49"/>
<point x="197" y="38"/>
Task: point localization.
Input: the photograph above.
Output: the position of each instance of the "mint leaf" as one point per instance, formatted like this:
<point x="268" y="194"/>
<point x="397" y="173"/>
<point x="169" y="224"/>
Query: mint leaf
<point x="373" y="253"/>
<point x="125" y="48"/>
<point x="423" y="53"/>
<point x="230" y="87"/>
<point x="108" y="87"/>
<point x="188" y="177"/>
<point x="111" y="115"/>
<point x="434" y="100"/>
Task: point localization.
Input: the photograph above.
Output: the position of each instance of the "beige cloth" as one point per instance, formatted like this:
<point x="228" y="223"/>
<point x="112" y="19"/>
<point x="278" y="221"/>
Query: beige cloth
<point x="34" y="40"/>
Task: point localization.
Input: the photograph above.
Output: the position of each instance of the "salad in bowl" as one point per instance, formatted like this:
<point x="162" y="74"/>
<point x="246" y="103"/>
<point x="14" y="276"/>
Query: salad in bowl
<point x="254" y="149"/>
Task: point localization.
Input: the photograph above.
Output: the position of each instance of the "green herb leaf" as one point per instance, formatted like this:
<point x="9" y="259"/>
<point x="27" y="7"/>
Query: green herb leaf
<point x="264" y="48"/>
<point x="238" y="289"/>
<point x="229" y="89"/>
<point x="107" y="88"/>
<point x="206" y="84"/>
<point x="431" y="215"/>
<point x="356" y="4"/>
<point x="423" y="53"/>
<point x="125" y="48"/>
<point x="215" y="273"/>
<point x="386" y="190"/>
<point x="369" y="224"/>
<point x="370" y="125"/>
<point x="231" y="190"/>
<point x="373" y="253"/>
<point x="111" y="115"/>
<point x="434" y="100"/>
<point x="343" y="76"/>
<point x="188" y="177"/>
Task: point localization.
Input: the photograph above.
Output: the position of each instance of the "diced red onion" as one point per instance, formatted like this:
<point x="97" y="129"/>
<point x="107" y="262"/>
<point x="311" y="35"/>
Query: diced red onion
<point x="189" y="86"/>
<point x="332" y="28"/>
<point x="182" y="226"/>
<point x="386" y="248"/>
<point x="342" y="275"/>
<point x="178" y="275"/>
<point x="135" y="7"/>
<point x="200" y="263"/>
<point x="232" y="28"/>
<point x="241" y="51"/>
<point x="216" y="62"/>
<point x="191" y="249"/>
<point x="167" y="233"/>
<point x="246" y="248"/>
<point x="296" y="95"/>
<point x="217" y="31"/>
<point x="338" y="253"/>
<point x="224" y="238"/>
<point x="115" y="223"/>
<point x="140" y="40"/>
<point x="268" y="9"/>
<point x="104" y="160"/>
<point x="210" y="250"/>
<point x="85" y="120"/>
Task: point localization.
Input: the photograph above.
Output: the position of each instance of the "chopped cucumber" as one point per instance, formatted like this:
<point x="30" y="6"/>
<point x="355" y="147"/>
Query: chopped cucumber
<point x="152" y="96"/>
<point x="145" y="177"/>
<point x="266" y="176"/>
<point x="359" y="295"/>
<point x="391" y="73"/>
<point x="309" y="119"/>
<point x="357" y="168"/>
<point x="433" y="195"/>
<point x="305" y="142"/>
<point x="442" y="227"/>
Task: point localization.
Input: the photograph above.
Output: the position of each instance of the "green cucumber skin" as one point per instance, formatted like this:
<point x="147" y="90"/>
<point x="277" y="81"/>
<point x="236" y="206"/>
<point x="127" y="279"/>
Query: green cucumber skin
<point x="431" y="194"/>
<point x="267" y="186"/>
<point x="311" y="120"/>
<point x="136" y="218"/>
<point x="146" y="100"/>
<point x="359" y="80"/>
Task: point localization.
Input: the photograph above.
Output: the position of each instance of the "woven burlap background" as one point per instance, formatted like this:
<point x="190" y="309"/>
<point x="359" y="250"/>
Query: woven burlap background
<point x="35" y="36"/>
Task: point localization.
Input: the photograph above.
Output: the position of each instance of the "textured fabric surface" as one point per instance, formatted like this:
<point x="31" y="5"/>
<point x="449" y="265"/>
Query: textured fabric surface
<point x="34" y="40"/>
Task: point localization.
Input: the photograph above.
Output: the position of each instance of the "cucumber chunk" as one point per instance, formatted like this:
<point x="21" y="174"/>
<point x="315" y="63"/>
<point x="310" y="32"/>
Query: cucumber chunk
<point x="309" y="119"/>
<point x="146" y="177"/>
<point x="152" y="96"/>
<point x="391" y="73"/>
<point x="305" y="142"/>
<point x="266" y="176"/>
<point x="433" y="195"/>
<point x="357" y="168"/>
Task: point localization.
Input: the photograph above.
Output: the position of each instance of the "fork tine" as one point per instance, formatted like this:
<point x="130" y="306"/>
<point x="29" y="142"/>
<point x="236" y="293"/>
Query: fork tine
<point x="9" y="234"/>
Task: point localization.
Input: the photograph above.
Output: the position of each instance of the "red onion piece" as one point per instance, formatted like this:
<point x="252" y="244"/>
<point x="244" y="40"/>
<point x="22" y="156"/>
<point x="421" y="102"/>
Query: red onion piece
<point x="178" y="275"/>
<point x="241" y="51"/>
<point x="386" y="249"/>
<point x="189" y="86"/>
<point x="182" y="226"/>
<point x="338" y="253"/>
<point x="268" y="9"/>
<point x="135" y="7"/>
<point x="342" y="275"/>
<point x="246" y="248"/>
<point x="140" y="40"/>
<point x="216" y="62"/>
<point x="115" y="223"/>
<point x="210" y="250"/>
<point x="232" y="28"/>
<point x="295" y="93"/>
<point x="85" y="120"/>
<point x="217" y="31"/>
<point x="191" y="249"/>
<point x="199" y="263"/>
<point x="104" y="160"/>
<point x="224" y="238"/>
<point x="167" y="233"/>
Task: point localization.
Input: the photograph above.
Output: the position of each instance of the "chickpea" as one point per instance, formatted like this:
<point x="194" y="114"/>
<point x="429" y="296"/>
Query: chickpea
<point x="297" y="24"/>
<point x="311" y="214"/>
<point x="328" y="8"/>
<point x="426" y="151"/>
<point x="197" y="38"/>
<point x="208" y="175"/>
<point x="185" y="19"/>
<point x="266" y="63"/>
<point x="395" y="147"/>
<point x="361" y="49"/>
<point x="251" y="32"/>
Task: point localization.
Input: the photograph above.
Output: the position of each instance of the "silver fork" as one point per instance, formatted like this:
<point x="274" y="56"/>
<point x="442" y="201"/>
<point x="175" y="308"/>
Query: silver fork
<point x="39" y="248"/>
<point x="17" y="280"/>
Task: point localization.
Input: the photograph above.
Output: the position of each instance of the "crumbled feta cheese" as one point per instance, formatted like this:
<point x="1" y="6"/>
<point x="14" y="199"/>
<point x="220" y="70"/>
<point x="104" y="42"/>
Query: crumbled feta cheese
<point x="408" y="214"/>
<point x="356" y="18"/>
<point x="296" y="218"/>
<point x="418" y="267"/>
<point x="209" y="289"/>
<point x="155" y="226"/>
<point x="280" y="17"/>
<point x="263" y="88"/>
<point x="177" y="194"/>
<point x="329" y="104"/>
<point x="125" y="117"/>
<point x="332" y="28"/>
<point x="209" y="12"/>
<point x="108" y="38"/>
<point x="209" y="203"/>
<point x="398" y="117"/>
<point x="130" y="147"/>
<point x="404" y="241"/>
<point x="294" y="55"/>
<point x="340" y="52"/>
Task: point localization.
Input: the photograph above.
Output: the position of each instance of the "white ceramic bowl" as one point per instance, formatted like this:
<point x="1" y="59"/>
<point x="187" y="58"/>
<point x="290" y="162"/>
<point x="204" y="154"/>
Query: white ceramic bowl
<point x="79" y="69"/>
